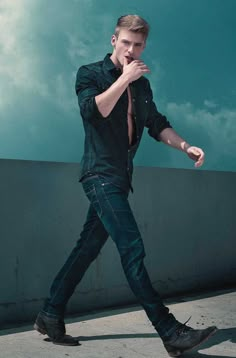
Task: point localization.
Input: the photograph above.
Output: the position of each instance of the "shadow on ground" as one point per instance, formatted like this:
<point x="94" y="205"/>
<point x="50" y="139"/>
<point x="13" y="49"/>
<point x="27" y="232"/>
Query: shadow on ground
<point x="222" y="335"/>
<point x="201" y="355"/>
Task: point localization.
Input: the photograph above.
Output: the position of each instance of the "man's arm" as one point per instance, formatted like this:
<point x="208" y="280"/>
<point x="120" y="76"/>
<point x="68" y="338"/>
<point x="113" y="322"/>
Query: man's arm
<point x="96" y="105"/>
<point x="160" y="129"/>
<point x="107" y="100"/>
<point x="171" y="138"/>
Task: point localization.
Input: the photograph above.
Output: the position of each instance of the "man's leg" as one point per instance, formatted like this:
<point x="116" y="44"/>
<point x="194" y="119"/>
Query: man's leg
<point x="112" y="206"/>
<point x="51" y="319"/>
<point x="92" y="239"/>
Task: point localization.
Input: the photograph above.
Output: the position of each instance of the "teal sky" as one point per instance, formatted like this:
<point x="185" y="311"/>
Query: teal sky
<point x="191" y="52"/>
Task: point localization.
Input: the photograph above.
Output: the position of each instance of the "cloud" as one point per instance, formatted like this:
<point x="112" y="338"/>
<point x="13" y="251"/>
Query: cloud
<point x="213" y="129"/>
<point x="42" y="44"/>
<point x="219" y="128"/>
<point x="210" y="104"/>
<point x="88" y="43"/>
<point x="19" y="60"/>
<point x="34" y="52"/>
<point x="27" y="65"/>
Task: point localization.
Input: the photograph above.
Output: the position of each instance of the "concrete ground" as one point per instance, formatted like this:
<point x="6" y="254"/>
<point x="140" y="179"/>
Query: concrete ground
<point x="127" y="333"/>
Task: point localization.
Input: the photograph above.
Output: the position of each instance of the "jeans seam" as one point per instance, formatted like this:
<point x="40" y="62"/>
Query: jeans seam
<point x="107" y="200"/>
<point x="90" y="191"/>
<point x="99" y="206"/>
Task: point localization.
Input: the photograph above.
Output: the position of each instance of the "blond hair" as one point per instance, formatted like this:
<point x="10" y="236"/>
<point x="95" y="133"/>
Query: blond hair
<point x="133" y="23"/>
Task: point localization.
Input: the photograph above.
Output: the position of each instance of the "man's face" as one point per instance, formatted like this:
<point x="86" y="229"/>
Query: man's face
<point x="128" y="44"/>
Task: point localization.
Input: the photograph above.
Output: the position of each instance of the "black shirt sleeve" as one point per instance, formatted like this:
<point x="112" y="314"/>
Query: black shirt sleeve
<point x="86" y="89"/>
<point x="155" y="121"/>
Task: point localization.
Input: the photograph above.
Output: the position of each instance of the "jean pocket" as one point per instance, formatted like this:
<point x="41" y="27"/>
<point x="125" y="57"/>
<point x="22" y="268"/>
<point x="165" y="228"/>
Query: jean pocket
<point x="91" y="193"/>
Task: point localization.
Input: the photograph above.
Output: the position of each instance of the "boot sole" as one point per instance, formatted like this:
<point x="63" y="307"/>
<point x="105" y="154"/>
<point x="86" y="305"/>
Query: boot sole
<point x="42" y="331"/>
<point x="178" y="353"/>
<point x="39" y="329"/>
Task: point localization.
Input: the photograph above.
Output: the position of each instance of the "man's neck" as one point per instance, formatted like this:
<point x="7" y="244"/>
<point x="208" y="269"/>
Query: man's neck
<point x="116" y="62"/>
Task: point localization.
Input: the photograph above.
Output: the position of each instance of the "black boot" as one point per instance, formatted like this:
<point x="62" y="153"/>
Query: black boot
<point x="55" y="329"/>
<point x="185" y="338"/>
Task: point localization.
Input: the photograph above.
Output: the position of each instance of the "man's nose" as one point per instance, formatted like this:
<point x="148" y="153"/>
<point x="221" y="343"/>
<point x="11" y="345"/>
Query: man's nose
<point x="131" y="49"/>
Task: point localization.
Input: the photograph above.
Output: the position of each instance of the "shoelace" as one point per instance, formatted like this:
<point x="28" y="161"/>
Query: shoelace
<point x="183" y="328"/>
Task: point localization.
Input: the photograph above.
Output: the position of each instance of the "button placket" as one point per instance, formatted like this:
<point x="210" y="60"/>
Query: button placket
<point x="132" y="90"/>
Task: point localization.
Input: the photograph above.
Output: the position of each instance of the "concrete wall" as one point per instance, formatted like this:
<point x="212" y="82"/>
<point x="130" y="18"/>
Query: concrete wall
<point x="187" y="218"/>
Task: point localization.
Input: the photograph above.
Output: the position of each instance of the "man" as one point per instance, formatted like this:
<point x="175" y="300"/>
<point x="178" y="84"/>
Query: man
<point x="116" y="104"/>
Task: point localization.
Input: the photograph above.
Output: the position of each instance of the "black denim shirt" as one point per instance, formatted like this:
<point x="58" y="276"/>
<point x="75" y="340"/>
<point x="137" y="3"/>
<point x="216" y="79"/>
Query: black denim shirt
<point x="106" y="150"/>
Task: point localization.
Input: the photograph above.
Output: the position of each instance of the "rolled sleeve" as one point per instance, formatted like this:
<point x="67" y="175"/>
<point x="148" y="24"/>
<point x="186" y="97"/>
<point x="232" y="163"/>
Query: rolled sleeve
<point x="156" y="122"/>
<point x="86" y="89"/>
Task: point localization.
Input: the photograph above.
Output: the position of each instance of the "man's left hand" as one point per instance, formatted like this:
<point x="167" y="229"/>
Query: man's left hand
<point x="197" y="155"/>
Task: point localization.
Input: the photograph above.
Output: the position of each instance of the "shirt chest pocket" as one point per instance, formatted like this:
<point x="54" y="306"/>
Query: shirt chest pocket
<point x="142" y="105"/>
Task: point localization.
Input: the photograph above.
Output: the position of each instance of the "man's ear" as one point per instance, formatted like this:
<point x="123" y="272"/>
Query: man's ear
<point x="113" y="40"/>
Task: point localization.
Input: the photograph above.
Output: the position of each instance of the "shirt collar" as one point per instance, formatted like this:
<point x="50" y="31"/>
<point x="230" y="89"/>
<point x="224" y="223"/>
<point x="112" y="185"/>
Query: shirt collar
<point x="109" y="65"/>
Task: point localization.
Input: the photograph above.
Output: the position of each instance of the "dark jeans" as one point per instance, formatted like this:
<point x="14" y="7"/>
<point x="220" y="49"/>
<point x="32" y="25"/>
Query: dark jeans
<point x="109" y="215"/>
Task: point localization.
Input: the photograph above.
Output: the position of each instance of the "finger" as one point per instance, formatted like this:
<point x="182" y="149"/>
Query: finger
<point x="199" y="162"/>
<point x="201" y="158"/>
<point x="197" y="155"/>
<point x="141" y="64"/>
<point x="125" y="61"/>
<point x="145" y="68"/>
<point x="196" y="152"/>
<point x="138" y="62"/>
<point x="146" y="71"/>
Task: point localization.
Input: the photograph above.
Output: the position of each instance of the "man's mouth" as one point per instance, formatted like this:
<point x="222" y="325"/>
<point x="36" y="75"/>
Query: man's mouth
<point x="129" y="58"/>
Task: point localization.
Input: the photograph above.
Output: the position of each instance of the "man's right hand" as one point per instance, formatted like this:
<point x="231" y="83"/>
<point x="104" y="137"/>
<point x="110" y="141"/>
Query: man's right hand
<point x="134" y="70"/>
<point x="131" y="72"/>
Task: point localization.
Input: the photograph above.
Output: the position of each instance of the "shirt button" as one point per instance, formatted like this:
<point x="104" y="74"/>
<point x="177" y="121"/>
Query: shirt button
<point x="133" y="99"/>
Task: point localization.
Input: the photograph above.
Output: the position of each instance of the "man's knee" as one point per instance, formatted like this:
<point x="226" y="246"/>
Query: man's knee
<point x="132" y="253"/>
